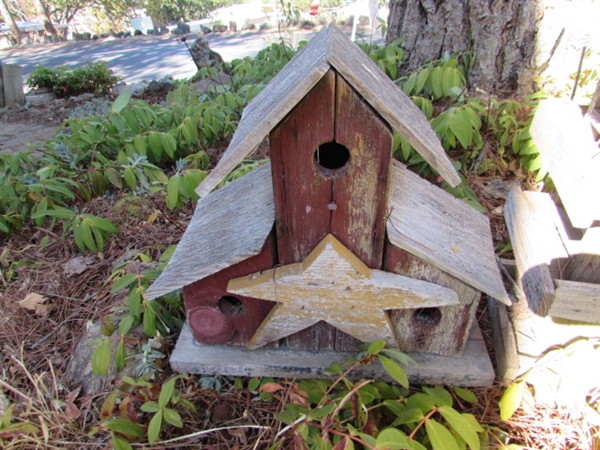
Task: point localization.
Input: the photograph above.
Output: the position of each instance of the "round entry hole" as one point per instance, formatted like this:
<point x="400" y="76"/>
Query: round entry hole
<point x="231" y="306"/>
<point x="332" y="156"/>
<point x="427" y="317"/>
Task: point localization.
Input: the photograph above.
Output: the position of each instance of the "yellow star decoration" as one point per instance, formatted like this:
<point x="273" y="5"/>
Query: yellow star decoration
<point x="333" y="285"/>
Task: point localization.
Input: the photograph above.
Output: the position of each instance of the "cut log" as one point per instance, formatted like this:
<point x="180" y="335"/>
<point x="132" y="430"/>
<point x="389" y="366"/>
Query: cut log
<point x="536" y="243"/>
<point x="576" y="301"/>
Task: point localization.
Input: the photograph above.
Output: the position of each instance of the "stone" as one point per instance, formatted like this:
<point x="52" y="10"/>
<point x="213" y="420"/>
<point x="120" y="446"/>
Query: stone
<point x="202" y="55"/>
<point x="40" y="99"/>
<point x="220" y="79"/>
<point x="79" y="369"/>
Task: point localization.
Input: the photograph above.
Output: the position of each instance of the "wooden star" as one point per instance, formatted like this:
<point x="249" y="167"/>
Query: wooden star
<point x="333" y="285"/>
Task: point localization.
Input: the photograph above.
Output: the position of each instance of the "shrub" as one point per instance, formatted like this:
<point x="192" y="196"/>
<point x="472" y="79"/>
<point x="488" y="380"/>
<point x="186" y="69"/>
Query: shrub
<point x="95" y="77"/>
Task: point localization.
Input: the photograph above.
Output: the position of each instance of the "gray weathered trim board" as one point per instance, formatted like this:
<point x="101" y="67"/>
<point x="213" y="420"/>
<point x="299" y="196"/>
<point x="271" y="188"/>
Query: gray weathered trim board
<point x="472" y="369"/>
<point x="330" y="48"/>
<point x="443" y="231"/>
<point x="228" y="226"/>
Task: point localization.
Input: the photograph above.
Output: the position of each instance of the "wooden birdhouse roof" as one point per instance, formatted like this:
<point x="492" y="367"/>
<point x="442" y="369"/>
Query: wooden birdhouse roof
<point x="331" y="48"/>
<point x="233" y="223"/>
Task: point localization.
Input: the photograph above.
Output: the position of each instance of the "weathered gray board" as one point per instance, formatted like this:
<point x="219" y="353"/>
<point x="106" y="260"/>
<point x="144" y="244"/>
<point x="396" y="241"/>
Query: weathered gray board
<point x="11" y="85"/>
<point x="472" y="369"/>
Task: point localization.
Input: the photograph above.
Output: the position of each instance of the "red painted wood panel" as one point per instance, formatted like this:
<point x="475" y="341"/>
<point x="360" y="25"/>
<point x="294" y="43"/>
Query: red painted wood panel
<point x="301" y="193"/>
<point x="361" y="193"/>
<point x="216" y="317"/>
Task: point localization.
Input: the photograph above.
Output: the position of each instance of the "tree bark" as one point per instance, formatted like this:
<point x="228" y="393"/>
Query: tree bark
<point x="9" y="18"/>
<point x="501" y="34"/>
<point x="44" y="15"/>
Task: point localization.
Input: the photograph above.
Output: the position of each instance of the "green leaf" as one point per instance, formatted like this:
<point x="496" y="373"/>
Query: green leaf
<point x="114" y="178"/>
<point x="422" y="78"/>
<point x="461" y="425"/>
<point x="440" y="437"/>
<point x="511" y="399"/>
<point x="421" y="401"/>
<point x="440" y="396"/>
<point x="121" y="102"/>
<point x="149" y="321"/>
<point x="376" y="347"/>
<point x="253" y="384"/>
<point x="399" y="356"/>
<point x="173" y="191"/>
<point x="154" y="427"/>
<point x="120" y="355"/>
<point x="7" y="417"/>
<point x="139" y="142"/>
<point x="123" y="282"/>
<point x="465" y="394"/>
<point x="86" y="235"/>
<point x="437" y="80"/>
<point x="461" y="128"/>
<point x="125" y="325"/>
<point x="173" y="417"/>
<point x="169" y="144"/>
<point x="394" y="370"/>
<point x="135" y="303"/>
<point x="155" y="146"/>
<point x="58" y="212"/>
<point x="101" y="223"/>
<point x="166" y="392"/>
<point x="129" y="176"/>
<point x="126" y="427"/>
<point x="119" y="443"/>
<point x="391" y="439"/>
<point x="101" y="358"/>
<point x="410" y="415"/>
<point x="150" y="407"/>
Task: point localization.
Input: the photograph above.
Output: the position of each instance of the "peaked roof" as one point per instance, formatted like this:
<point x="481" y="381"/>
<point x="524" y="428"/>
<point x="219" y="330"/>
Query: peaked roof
<point x="330" y="48"/>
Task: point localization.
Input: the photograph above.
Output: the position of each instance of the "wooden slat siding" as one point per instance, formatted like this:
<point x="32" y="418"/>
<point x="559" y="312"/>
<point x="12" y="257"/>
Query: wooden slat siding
<point x="472" y="369"/>
<point x="228" y="226"/>
<point x="443" y="231"/>
<point x="207" y="293"/>
<point x="390" y="102"/>
<point x="565" y="142"/>
<point x="449" y="336"/>
<point x="301" y="193"/>
<point x="536" y="243"/>
<point x="330" y="48"/>
<point x="576" y="301"/>
<point x="360" y="194"/>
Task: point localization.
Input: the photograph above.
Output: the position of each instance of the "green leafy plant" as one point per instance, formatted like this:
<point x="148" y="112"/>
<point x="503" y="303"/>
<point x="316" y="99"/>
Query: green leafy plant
<point x="94" y="77"/>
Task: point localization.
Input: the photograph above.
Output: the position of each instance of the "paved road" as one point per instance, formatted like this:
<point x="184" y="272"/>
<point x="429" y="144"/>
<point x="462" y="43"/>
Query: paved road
<point x="145" y="58"/>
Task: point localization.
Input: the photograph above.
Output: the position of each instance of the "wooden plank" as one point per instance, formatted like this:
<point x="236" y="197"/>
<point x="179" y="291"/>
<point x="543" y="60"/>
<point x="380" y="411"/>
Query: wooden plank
<point x="335" y="286"/>
<point x="360" y="192"/>
<point x="228" y="226"/>
<point x="473" y="369"/>
<point x="395" y="107"/>
<point x="443" y="231"/>
<point x="11" y="77"/>
<point x="443" y="330"/>
<point x="536" y="243"/>
<point x="576" y="301"/>
<point x="302" y="194"/>
<point x="566" y="144"/>
<point x="330" y="48"/>
<point x="505" y="344"/>
<point x="217" y="317"/>
<point x="270" y="106"/>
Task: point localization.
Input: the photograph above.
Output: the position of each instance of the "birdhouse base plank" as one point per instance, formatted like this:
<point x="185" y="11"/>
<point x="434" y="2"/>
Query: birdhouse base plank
<point x="472" y="369"/>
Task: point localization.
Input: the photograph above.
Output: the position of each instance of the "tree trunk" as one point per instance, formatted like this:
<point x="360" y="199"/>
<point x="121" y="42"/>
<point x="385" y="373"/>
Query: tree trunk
<point x="501" y="34"/>
<point x="42" y="11"/>
<point x="9" y="18"/>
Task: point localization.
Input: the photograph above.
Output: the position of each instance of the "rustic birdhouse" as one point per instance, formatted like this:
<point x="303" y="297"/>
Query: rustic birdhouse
<point x="332" y="243"/>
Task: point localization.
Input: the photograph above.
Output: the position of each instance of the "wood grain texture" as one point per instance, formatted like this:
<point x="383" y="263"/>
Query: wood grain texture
<point x="360" y="193"/>
<point x="330" y="48"/>
<point x="584" y="263"/>
<point x="443" y="231"/>
<point x="472" y="369"/>
<point x="335" y="286"/>
<point x="565" y="142"/>
<point x="301" y="193"/>
<point x="576" y="301"/>
<point x="228" y="227"/>
<point x="536" y="243"/>
<point x="208" y="299"/>
<point x="442" y="332"/>
<point x="505" y="344"/>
